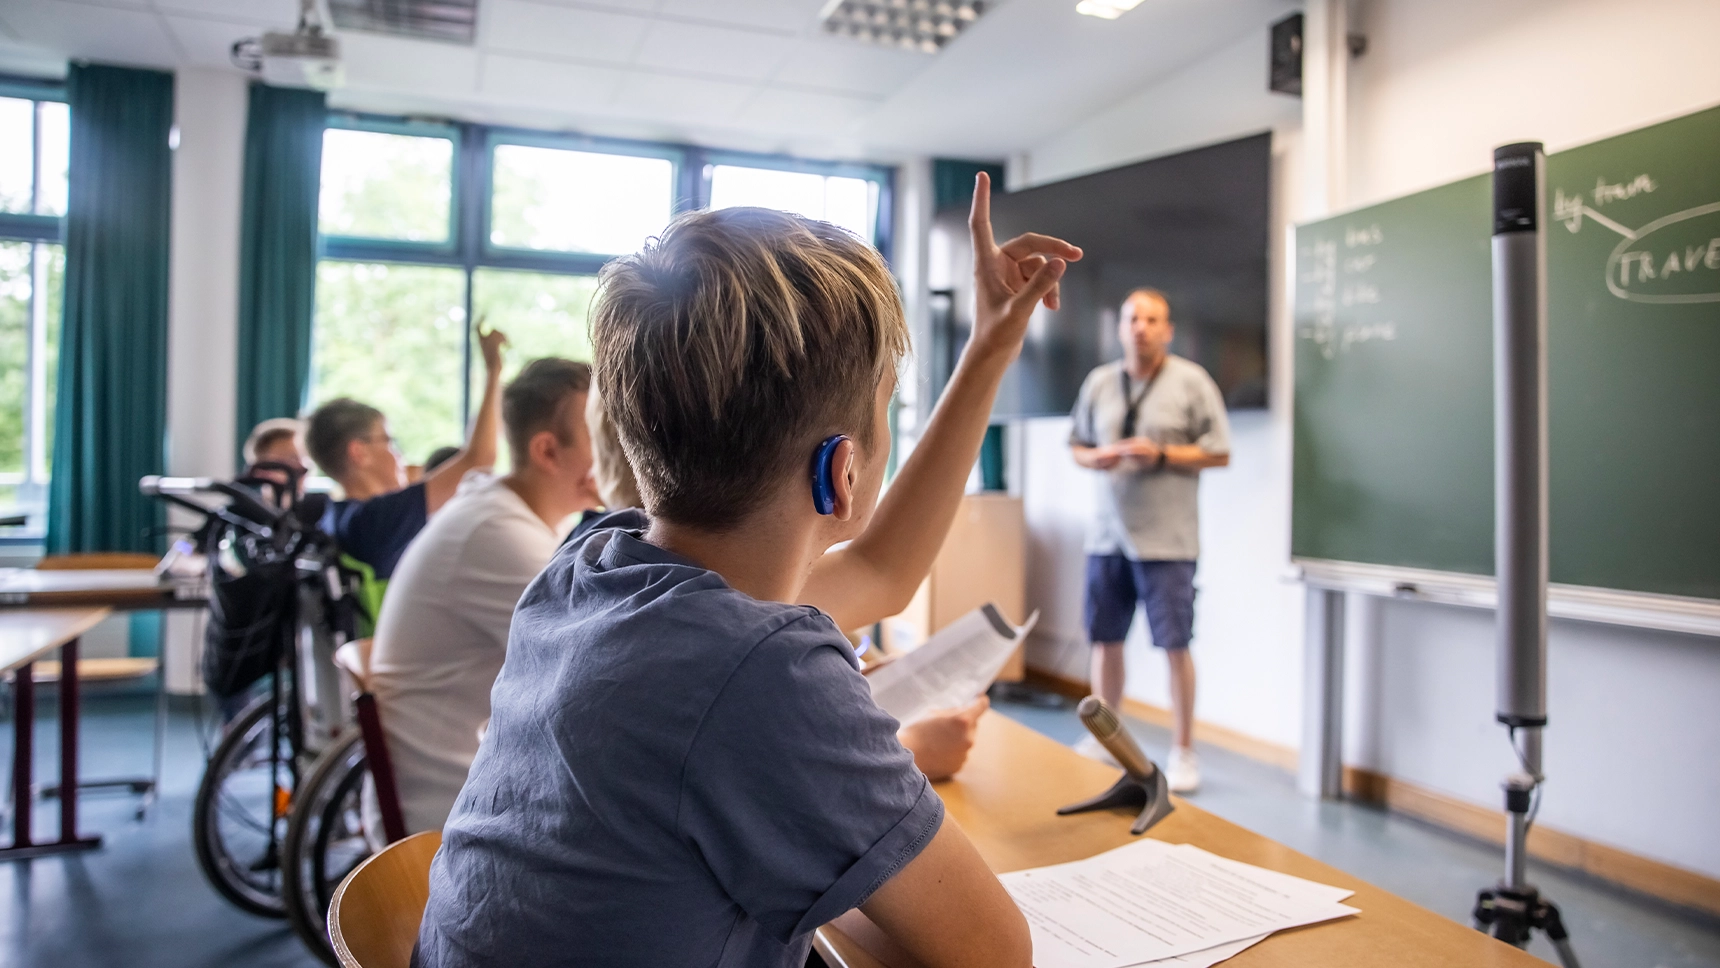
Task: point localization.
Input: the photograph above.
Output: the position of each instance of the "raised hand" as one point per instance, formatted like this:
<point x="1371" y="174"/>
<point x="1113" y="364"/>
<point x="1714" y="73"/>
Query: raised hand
<point x="490" y="344"/>
<point x="1009" y="280"/>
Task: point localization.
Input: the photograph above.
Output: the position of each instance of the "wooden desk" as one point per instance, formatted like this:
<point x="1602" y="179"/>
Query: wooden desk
<point x="1005" y="797"/>
<point x="25" y="636"/>
<point x="125" y="589"/>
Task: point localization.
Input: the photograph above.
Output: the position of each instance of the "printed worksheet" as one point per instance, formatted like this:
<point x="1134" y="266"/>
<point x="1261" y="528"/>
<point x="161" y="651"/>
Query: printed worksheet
<point x="952" y="668"/>
<point x="1151" y="900"/>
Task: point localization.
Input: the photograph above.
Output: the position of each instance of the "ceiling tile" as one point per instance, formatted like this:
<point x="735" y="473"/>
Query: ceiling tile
<point x="718" y="51"/>
<point x="788" y="15"/>
<point x="563" y="86"/>
<point x="209" y="43"/>
<point x="418" y="66"/>
<point x="850" y="66"/>
<point x="575" y="34"/>
<point x="98" y="33"/>
<point x="277" y="14"/>
<point x="681" y="99"/>
<point x="782" y="110"/>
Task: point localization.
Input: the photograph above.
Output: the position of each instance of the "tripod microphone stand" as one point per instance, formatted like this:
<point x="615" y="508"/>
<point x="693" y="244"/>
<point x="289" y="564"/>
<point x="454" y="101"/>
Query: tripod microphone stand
<point x="1514" y="909"/>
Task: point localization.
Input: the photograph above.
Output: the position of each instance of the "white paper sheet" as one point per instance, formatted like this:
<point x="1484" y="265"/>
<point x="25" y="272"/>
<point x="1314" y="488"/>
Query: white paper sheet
<point x="1151" y="900"/>
<point x="951" y="669"/>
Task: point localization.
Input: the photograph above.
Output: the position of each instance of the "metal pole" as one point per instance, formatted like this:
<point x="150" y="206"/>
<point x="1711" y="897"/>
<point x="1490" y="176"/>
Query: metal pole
<point x="1520" y="431"/>
<point x="1321" y="771"/>
<point x="1520" y="482"/>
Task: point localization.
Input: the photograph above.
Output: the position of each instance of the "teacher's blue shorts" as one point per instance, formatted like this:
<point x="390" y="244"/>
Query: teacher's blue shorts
<point x="1165" y="588"/>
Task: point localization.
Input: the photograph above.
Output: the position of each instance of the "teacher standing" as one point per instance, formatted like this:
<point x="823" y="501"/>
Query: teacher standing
<point x="1149" y="423"/>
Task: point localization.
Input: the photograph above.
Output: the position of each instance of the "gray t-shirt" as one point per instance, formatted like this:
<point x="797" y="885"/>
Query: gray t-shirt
<point x="1144" y="514"/>
<point x="674" y="774"/>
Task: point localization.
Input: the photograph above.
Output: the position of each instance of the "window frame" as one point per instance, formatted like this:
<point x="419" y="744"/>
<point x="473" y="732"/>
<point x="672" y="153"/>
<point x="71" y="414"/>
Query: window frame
<point x="34" y="230"/>
<point x="471" y="190"/>
<point x="550" y="260"/>
<point x="361" y="248"/>
<point x="28" y="226"/>
<point x="883" y="229"/>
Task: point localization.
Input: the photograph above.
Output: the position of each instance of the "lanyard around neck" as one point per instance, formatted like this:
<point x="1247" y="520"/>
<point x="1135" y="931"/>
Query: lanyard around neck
<point x="1134" y="401"/>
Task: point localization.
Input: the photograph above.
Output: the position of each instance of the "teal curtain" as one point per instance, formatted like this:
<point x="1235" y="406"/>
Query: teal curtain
<point x="991" y="459"/>
<point x="952" y="185"/>
<point x="278" y="252"/>
<point x="111" y="401"/>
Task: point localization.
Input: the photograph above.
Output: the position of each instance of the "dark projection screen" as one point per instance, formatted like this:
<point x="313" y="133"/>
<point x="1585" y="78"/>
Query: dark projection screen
<point x="1193" y="225"/>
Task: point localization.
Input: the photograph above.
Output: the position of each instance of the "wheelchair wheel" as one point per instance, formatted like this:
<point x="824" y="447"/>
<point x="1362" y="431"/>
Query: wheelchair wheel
<point x="240" y="814"/>
<point x="325" y="839"/>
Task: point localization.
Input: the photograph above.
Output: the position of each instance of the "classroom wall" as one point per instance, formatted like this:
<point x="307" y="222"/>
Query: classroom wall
<point x="1634" y="729"/>
<point x="1248" y="618"/>
<point x="203" y="302"/>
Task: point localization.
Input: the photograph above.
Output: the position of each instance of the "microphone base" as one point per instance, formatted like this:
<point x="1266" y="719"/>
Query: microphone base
<point x="1152" y="796"/>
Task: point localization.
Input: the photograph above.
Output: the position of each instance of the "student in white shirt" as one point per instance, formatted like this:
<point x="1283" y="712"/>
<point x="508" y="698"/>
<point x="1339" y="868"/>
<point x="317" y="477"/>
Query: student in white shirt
<point x="443" y="631"/>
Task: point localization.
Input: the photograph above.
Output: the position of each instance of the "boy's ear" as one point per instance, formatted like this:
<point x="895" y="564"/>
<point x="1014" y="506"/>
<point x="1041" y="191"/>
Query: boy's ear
<point x="843" y="472"/>
<point x="542" y="447"/>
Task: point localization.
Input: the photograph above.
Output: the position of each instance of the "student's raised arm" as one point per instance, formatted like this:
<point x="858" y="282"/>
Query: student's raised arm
<point x="480" y="450"/>
<point x="876" y="575"/>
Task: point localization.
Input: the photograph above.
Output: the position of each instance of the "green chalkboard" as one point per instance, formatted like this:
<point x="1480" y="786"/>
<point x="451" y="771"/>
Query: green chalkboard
<point x="1394" y="404"/>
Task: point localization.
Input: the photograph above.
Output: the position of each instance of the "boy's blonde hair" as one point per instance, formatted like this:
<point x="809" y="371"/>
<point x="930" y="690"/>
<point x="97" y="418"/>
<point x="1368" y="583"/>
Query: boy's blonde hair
<point x="731" y="345"/>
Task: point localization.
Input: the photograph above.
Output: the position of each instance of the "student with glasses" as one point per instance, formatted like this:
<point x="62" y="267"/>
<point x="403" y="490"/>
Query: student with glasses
<point x="381" y="513"/>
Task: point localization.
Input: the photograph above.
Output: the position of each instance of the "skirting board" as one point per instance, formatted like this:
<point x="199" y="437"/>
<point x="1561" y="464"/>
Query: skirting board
<point x="1652" y="877"/>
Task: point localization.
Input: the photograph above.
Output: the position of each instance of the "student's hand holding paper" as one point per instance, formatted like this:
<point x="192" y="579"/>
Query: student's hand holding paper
<point x="941" y="741"/>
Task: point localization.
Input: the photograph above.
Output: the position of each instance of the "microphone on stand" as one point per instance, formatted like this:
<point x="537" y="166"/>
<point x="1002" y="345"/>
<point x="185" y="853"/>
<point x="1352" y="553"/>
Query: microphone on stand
<point x="1141" y="786"/>
<point x="1107" y="728"/>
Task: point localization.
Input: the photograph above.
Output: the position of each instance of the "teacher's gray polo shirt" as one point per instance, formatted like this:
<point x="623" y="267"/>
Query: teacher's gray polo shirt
<point x="1144" y="514"/>
<point x="675" y="775"/>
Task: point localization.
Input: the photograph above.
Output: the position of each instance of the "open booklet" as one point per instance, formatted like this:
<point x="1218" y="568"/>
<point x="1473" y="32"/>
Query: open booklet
<point x="951" y="668"/>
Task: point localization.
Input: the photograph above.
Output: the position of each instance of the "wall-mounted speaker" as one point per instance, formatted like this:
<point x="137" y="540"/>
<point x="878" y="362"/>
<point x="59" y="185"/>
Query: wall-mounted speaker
<point x="1286" y="65"/>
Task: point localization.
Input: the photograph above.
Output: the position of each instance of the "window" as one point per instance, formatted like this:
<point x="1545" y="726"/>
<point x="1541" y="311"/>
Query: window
<point x="390" y="334"/>
<point x="427" y="226"/>
<point x="578" y="201"/>
<point x="843" y="200"/>
<point x="34" y="145"/>
<point x="381" y="185"/>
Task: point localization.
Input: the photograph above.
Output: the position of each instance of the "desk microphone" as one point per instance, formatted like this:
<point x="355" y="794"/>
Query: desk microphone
<point x="1103" y="723"/>
<point x="1141" y="786"/>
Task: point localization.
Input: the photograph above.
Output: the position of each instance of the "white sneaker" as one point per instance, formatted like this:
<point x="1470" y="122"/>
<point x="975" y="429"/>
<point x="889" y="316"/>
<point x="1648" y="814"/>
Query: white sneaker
<point x="1183" y="774"/>
<point x="1090" y="747"/>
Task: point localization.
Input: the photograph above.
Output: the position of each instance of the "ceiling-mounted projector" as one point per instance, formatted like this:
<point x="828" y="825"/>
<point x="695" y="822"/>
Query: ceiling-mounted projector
<point x="307" y="57"/>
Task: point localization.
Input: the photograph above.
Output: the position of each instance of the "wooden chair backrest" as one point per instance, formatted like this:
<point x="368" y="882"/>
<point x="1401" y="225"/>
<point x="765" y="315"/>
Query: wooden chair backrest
<point x="374" y="916"/>
<point x="97" y="560"/>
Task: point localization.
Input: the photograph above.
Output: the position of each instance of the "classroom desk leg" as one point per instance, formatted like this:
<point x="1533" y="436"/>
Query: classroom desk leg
<point x="23" y="846"/>
<point x="23" y="753"/>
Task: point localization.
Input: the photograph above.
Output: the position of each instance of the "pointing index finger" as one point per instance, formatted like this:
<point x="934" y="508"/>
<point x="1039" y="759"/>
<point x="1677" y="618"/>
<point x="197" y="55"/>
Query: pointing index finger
<point x="1030" y="243"/>
<point x="979" y="217"/>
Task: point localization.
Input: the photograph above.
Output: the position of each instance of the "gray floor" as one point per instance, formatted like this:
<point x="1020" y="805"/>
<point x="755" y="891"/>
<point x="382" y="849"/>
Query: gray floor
<point x="141" y="902"/>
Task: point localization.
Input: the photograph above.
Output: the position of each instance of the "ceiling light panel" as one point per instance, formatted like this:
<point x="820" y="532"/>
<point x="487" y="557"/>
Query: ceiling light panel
<point x="922" y="25"/>
<point x="1106" y="9"/>
<point x="454" y="21"/>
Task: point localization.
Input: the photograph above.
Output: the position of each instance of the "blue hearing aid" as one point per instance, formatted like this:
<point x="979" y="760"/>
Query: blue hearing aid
<point x="824" y="475"/>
